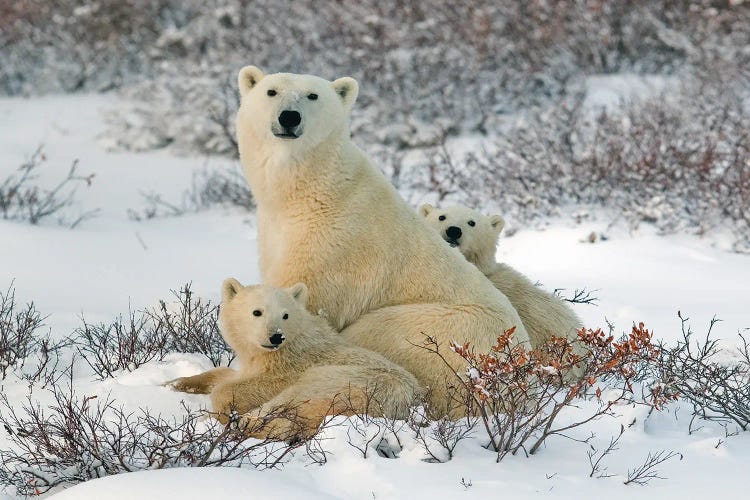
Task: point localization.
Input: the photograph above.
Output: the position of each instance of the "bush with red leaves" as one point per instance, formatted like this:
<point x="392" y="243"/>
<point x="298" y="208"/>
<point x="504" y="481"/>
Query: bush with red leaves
<point x="518" y="393"/>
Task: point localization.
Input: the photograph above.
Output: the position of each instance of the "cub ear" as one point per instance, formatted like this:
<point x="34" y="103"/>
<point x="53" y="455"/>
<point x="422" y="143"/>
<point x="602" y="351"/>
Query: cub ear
<point x="299" y="293"/>
<point x="425" y="209"/>
<point x="497" y="222"/>
<point x="248" y="78"/>
<point x="347" y="89"/>
<point x="230" y="288"/>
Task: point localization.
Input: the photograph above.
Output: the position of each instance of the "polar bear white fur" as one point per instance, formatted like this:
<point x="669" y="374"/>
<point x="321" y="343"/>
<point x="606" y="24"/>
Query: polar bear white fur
<point x="290" y="359"/>
<point x="329" y="218"/>
<point x="475" y="235"/>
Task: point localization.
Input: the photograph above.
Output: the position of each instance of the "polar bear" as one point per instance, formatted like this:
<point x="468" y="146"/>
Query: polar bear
<point x="292" y="360"/>
<point x="475" y="236"/>
<point x="329" y="218"/>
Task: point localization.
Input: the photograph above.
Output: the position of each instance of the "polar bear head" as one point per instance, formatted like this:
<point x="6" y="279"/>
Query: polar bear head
<point x="473" y="233"/>
<point x="261" y="319"/>
<point x="292" y="113"/>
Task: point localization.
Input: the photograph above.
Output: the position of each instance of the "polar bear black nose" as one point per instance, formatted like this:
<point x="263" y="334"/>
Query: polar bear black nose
<point x="453" y="232"/>
<point x="289" y="119"/>
<point x="276" y="339"/>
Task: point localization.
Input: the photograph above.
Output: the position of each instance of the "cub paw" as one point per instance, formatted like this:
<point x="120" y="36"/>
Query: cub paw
<point x="182" y="384"/>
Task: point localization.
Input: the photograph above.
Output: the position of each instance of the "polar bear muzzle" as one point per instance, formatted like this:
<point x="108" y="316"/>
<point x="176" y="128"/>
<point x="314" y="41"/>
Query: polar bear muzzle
<point x="288" y="125"/>
<point x="274" y="341"/>
<point x="452" y="235"/>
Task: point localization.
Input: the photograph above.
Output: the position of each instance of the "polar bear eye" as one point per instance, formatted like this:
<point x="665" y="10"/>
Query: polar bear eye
<point x="312" y="97"/>
<point x="257" y="313"/>
<point x="442" y="217"/>
<point x="271" y="93"/>
<point x="472" y="223"/>
<point x="285" y="316"/>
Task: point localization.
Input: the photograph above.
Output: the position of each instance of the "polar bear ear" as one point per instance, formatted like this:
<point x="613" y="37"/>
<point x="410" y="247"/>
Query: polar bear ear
<point x="248" y="78"/>
<point x="497" y="222"/>
<point x="425" y="209"/>
<point x="230" y="288"/>
<point x="347" y="89"/>
<point x="299" y="293"/>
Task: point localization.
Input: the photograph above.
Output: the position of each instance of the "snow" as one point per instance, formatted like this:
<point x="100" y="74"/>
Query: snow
<point x="111" y="263"/>
<point x="638" y="277"/>
<point x="607" y="92"/>
<point x="181" y="483"/>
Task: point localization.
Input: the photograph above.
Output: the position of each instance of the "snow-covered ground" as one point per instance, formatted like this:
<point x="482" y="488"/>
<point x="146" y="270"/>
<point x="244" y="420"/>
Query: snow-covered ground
<point x="112" y="262"/>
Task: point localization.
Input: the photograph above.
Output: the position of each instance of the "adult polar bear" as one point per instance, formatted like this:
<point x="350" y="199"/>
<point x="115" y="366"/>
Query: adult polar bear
<point x="329" y="218"/>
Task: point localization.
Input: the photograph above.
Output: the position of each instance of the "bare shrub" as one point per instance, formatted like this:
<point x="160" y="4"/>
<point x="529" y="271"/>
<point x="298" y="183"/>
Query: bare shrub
<point x="124" y="344"/>
<point x="79" y="437"/>
<point x="226" y="187"/>
<point x="596" y="457"/>
<point x="107" y="43"/>
<point x="22" y="199"/>
<point x="209" y="187"/>
<point x="686" y="160"/>
<point x="20" y="336"/>
<point x="223" y="115"/>
<point x="188" y="325"/>
<point x="677" y="161"/>
<point x="464" y="64"/>
<point x="191" y="325"/>
<point x="156" y="207"/>
<point x="439" y="437"/>
<point x="518" y="394"/>
<point x="580" y="296"/>
<point x="123" y="40"/>
<point x="717" y="389"/>
<point x="646" y="472"/>
<point x="364" y="432"/>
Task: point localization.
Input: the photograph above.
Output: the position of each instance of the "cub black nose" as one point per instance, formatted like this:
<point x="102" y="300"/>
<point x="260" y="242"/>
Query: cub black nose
<point x="453" y="232"/>
<point x="289" y="119"/>
<point x="276" y="339"/>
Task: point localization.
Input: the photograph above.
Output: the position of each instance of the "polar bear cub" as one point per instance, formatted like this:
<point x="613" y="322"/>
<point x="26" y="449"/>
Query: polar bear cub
<point x="293" y="360"/>
<point x="475" y="236"/>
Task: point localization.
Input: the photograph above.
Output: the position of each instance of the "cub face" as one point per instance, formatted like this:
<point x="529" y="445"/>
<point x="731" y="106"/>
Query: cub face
<point x="295" y="112"/>
<point x="474" y="234"/>
<point x="261" y="319"/>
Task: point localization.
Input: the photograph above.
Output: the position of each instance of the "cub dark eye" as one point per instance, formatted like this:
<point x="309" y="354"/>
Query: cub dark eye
<point x="257" y="313"/>
<point x="271" y="93"/>
<point x="442" y="217"/>
<point x="472" y="223"/>
<point x="285" y="316"/>
<point x="312" y="97"/>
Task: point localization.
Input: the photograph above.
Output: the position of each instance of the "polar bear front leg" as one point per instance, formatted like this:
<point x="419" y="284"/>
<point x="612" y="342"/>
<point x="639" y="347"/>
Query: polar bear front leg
<point x="298" y="411"/>
<point x="202" y="383"/>
<point x="285" y="418"/>
<point x="239" y="395"/>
